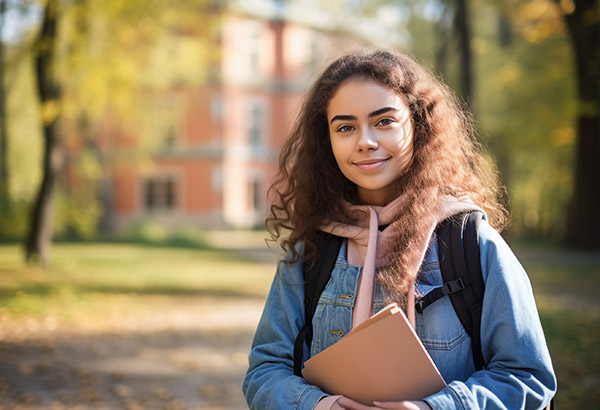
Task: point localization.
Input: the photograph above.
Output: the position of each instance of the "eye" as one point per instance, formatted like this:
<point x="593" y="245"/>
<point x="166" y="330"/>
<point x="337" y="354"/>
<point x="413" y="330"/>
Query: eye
<point x="385" y="121"/>
<point x="345" y="128"/>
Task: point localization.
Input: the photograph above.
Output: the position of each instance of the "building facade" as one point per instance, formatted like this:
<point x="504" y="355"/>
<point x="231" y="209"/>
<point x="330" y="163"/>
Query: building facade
<point x="203" y="154"/>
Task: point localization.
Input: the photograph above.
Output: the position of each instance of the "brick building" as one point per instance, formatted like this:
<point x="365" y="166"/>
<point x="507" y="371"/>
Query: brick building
<point x="211" y="148"/>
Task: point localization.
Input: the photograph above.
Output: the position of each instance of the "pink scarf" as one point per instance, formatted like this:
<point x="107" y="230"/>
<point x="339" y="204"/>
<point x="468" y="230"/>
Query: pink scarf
<point x="379" y="244"/>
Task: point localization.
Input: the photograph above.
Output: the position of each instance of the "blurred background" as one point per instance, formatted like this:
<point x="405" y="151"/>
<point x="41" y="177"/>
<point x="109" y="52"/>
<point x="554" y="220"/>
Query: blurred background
<point x="138" y="139"/>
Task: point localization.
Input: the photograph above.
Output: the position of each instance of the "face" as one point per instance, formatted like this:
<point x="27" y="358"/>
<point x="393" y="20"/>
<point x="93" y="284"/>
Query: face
<point x="371" y="136"/>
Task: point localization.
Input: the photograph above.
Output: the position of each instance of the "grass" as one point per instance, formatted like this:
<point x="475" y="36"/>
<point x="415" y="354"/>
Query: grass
<point x="89" y="280"/>
<point x="84" y="279"/>
<point x="566" y="286"/>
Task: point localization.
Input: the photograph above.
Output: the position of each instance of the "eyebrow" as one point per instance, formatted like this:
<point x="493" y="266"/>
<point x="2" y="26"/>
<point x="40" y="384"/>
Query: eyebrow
<point x="371" y="115"/>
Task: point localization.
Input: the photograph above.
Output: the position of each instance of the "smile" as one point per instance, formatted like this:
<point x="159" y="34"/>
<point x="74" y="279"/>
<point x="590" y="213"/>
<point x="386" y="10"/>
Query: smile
<point x="371" y="164"/>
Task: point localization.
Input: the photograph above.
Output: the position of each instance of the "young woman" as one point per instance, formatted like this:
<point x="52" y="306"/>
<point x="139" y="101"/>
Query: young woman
<point x="380" y="155"/>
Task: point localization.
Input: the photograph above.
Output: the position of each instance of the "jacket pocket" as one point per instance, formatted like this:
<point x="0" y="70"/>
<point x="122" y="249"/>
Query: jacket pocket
<point x="439" y="328"/>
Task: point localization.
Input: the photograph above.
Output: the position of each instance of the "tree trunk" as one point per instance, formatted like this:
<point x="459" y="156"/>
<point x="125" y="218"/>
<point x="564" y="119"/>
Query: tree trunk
<point x="463" y="30"/>
<point x="3" y="116"/>
<point x="454" y="25"/>
<point x="442" y="35"/>
<point x="40" y="233"/>
<point x="583" y="223"/>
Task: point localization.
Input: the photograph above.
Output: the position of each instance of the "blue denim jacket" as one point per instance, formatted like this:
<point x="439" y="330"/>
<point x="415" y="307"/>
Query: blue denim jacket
<point x="518" y="371"/>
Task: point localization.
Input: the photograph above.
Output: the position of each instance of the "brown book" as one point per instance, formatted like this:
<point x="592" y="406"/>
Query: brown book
<point x="382" y="359"/>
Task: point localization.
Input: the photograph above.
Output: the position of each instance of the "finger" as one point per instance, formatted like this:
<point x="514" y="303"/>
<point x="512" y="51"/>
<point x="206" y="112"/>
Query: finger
<point x="387" y="405"/>
<point x="350" y="404"/>
<point x="402" y="405"/>
<point x="396" y="405"/>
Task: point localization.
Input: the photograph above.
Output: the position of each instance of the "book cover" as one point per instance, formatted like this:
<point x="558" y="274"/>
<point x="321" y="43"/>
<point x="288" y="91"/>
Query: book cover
<point x="382" y="359"/>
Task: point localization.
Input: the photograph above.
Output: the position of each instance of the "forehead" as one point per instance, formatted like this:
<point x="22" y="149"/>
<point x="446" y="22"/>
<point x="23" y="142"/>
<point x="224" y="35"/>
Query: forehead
<point x="360" y="95"/>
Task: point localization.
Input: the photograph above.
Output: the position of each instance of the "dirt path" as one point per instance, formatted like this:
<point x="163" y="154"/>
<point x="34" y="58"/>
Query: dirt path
<point x="188" y="353"/>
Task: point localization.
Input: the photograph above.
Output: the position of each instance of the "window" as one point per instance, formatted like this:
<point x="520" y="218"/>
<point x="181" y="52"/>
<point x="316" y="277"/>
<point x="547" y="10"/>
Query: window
<point x="314" y="55"/>
<point x="255" y="196"/>
<point x="170" y="136"/>
<point x="160" y="193"/>
<point x="256" y="126"/>
<point x="253" y="52"/>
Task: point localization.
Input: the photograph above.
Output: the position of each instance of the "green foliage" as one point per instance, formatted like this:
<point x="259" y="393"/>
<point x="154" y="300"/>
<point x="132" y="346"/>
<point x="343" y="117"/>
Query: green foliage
<point x="525" y="102"/>
<point x="78" y="208"/>
<point x="77" y="213"/>
<point x="147" y="231"/>
<point x="113" y="51"/>
<point x="107" y="53"/>
<point x="14" y="216"/>
<point x="526" y="107"/>
<point x="24" y="131"/>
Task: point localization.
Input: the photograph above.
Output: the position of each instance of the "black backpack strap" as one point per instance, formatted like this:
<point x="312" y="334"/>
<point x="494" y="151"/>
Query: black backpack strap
<point x="445" y="231"/>
<point x="447" y="288"/>
<point x="315" y="280"/>
<point x="475" y="293"/>
<point x="458" y="246"/>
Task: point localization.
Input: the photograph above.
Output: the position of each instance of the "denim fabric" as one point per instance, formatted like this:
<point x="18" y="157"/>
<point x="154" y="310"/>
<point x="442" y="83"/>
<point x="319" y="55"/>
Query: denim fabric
<point x="518" y="371"/>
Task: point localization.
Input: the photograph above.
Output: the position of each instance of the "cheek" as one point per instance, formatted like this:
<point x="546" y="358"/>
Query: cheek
<point x="406" y="146"/>
<point x="407" y="158"/>
<point x="404" y="152"/>
<point x="340" y="154"/>
<point x="407" y="143"/>
<point x="407" y="152"/>
<point x="338" y="151"/>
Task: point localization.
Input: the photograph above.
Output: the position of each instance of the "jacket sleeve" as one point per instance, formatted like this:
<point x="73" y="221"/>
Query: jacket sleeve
<point x="518" y="370"/>
<point x="270" y="382"/>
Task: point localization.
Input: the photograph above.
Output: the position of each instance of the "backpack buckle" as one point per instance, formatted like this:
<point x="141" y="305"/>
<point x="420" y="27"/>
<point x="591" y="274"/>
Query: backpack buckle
<point x="420" y="306"/>
<point x="453" y="286"/>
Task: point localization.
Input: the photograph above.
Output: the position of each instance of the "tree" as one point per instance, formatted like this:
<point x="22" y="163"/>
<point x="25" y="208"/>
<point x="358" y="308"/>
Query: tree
<point x="582" y="18"/>
<point x="454" y="24"/>
<point x="92" y="62"/>
<point x="3" y="126"/>
<point x="525" y="99"/>
<point x="40" y="230"/>
<point x="525" y="109"/>
<point x="463" y="30"/>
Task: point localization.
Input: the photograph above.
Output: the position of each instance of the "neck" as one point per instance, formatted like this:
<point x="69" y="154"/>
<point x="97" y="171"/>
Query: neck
<point x="374" y="198"/>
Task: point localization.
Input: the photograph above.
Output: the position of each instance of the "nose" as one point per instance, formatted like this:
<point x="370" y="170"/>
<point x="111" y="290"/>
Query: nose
<point x="366" y="141"/>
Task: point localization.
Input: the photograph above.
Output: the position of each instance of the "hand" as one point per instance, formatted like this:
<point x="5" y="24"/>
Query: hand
<point x="345" y="403"/>
<point x="403" y="405"/>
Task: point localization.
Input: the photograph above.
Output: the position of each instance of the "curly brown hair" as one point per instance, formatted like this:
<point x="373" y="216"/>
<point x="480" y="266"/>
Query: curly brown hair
<point x="310" y="190"/>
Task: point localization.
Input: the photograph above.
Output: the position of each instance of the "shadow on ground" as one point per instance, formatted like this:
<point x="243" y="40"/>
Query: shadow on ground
<point x="177" y="361"/>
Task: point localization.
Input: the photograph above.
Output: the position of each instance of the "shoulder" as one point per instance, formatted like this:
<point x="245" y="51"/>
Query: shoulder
<point x="498" y="261"/>
<point x="291" y="268"/>
<point x="491" y="243"/>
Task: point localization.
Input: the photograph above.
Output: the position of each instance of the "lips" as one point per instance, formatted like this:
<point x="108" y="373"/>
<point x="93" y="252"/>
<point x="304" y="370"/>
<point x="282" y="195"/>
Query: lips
<point x="371" y="164"/>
